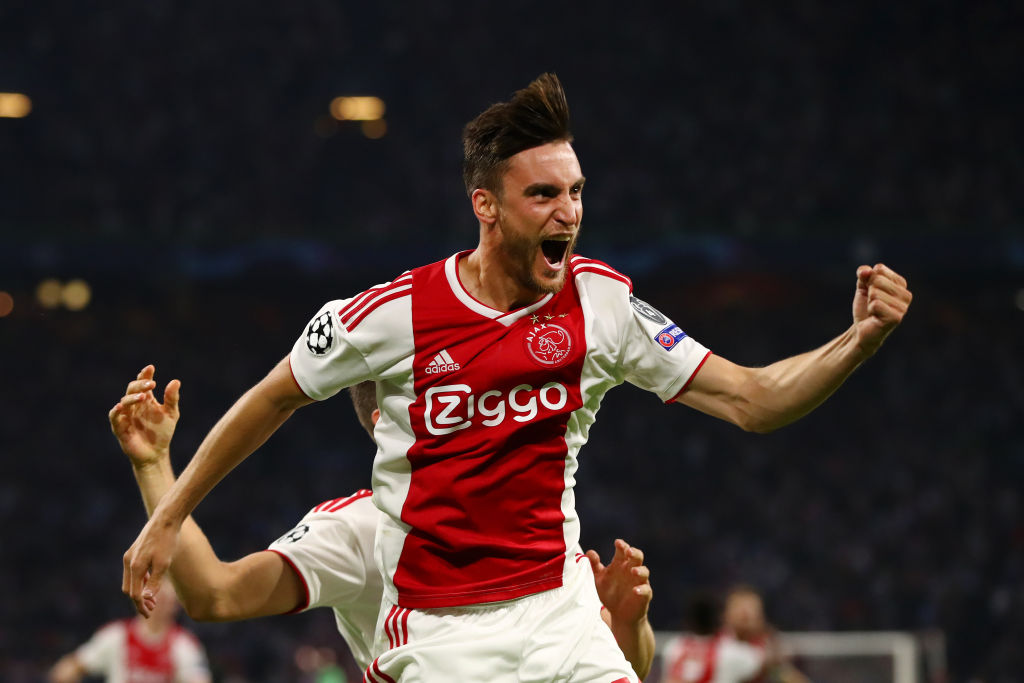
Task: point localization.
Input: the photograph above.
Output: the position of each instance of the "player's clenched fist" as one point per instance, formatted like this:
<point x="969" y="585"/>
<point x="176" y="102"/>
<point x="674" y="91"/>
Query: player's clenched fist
<point x="879" y="304"/>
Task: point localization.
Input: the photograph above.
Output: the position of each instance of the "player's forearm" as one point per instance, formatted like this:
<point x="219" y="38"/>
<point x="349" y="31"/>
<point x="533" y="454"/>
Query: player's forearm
<point x="636" y="640"/>
<point x="765" y="399"/>
<point x="195" y="570"/>
<point x="154" y="479"/>
<point x="197" y="573"/>
<point x="785" y="391"/>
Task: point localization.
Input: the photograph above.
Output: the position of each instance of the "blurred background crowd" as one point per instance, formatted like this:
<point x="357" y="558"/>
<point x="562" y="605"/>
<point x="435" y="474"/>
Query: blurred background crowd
<point x="742" y="160"/>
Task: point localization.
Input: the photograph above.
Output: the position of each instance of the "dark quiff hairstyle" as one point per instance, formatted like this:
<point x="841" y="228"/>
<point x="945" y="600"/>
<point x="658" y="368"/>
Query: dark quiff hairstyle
<point x="536" y="115"/>
<point x="364" y="400"/>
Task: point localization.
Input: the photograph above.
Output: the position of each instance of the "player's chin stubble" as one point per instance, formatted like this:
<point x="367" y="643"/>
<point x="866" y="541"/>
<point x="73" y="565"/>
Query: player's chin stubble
<point x="521" y="252"/>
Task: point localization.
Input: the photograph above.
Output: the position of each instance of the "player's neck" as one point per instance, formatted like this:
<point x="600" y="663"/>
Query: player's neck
<point x="484" y="277"/>
<point x="152" y="629"/>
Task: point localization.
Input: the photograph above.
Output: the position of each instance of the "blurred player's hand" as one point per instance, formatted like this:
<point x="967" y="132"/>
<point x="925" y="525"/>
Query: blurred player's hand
<point x="879" y="304"/>
<point x="624" y="584"/>
<point x="143" y="426"/>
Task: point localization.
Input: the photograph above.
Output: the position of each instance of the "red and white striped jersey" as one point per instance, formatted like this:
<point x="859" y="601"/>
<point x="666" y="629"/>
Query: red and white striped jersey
<point x="123" y="652"/>
<point x="483" y="413"/>
<point x="720" y="658"/>
<point x="331" y="549"/>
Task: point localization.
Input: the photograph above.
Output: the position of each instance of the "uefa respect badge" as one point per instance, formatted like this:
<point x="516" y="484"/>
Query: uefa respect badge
<point x="669" y="337"/>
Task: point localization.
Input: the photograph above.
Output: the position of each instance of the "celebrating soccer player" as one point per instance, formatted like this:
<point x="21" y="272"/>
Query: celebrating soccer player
<point x="490" y="367"/>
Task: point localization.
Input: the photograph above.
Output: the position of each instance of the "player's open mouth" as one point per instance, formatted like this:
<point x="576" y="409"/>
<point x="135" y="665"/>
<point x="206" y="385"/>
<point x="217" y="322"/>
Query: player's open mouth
<point x="554" y="250"/>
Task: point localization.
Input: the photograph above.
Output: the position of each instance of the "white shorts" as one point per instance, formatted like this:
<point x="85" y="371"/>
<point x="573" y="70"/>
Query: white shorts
<point x="556" y="635"/>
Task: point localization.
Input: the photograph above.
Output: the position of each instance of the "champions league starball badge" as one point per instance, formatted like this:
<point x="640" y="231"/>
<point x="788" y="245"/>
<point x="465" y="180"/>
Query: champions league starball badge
<point x="295" y="535"/>
<point x="320" y="334"/>
<point x="647" y="311"/>
<point x="548" y="344"/>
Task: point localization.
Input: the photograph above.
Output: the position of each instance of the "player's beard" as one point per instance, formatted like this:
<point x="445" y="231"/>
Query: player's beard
<point x="521" y="255"/>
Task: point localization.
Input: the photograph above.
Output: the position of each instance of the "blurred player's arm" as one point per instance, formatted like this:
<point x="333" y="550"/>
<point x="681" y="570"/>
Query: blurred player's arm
<point x="624" y="588"/>
<point x="249" y="422"/>
<point x="777" y="667"/>
<point x="68" y="669"/>
<point x="764" y="399"/>
<point x="257" y="585"/>
<point x="94" y="657"/>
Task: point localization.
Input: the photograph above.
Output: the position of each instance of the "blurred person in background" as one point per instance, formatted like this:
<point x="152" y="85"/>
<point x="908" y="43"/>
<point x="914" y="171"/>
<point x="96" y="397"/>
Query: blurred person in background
<point x="738" y="647"/>
<point x="326" y="560"/>
<point x="137" y="650"/>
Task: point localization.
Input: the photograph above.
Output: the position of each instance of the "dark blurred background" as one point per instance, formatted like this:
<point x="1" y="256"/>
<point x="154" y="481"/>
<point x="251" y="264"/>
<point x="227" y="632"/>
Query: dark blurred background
<point x="181" y="169"/>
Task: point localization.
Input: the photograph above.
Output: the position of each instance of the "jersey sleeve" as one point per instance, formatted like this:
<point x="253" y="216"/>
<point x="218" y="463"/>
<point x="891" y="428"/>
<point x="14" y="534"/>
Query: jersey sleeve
<point x="351" y="340"/>
<point x="96" y="655"/>
<point x="324" y="360"/>
<point x="332" y="551"/>
<point x="656" y="354"/>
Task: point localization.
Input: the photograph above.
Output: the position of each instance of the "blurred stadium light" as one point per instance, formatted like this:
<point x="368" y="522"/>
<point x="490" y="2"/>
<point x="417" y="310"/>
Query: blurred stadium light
<point x="375" y="129"/>
<point x="362" y="108"/>
<point x="76" y="295"/>
<point x="14" y="105"/>
<point x="48" y="293"/>
<point x="51" y="293"/>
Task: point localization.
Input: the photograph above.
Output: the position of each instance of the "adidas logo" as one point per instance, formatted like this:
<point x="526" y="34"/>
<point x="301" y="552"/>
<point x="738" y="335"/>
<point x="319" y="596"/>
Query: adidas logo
<point x="442" y="363"/>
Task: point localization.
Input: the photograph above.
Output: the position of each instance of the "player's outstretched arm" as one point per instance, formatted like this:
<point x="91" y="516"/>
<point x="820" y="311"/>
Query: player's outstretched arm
<point x="764" y="399"/>
<point x="624" y="587"/>
<point x="259" y="584"/>
<point x="252" y="419"/>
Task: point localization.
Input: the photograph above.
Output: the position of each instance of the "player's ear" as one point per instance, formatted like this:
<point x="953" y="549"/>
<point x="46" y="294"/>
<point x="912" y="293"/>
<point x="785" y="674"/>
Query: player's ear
<point x="374" y="416"/>
<point x="485" y="205"/>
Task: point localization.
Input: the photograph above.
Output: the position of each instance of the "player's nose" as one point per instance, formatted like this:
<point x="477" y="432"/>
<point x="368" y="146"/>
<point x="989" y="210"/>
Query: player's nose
<point x="568" y="210"/>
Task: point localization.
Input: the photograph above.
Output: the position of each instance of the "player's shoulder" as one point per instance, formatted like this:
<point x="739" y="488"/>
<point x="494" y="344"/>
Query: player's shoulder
<point x="335" y="528"/>
<point x="350" y="517"/>
<point x="119" y="626"/>
<point x="359" y="502"/>
<point x="586" y="268"/>
<point x="351" y="312"/>
<point x="181" y="634"/>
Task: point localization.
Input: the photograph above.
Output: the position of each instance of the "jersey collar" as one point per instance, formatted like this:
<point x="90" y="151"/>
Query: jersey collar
<point x="451" y="270"/>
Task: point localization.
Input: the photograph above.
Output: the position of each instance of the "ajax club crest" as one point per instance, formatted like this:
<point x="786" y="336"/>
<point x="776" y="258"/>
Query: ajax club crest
<point x="548" y="344"/>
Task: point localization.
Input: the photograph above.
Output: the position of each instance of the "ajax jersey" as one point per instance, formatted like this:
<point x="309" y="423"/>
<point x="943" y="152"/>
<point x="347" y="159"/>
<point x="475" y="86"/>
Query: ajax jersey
<point x="711" y="659"/>
<point x="123" y="652"/>
<point x="331" y="549"/>
<point x="483" y="413"/>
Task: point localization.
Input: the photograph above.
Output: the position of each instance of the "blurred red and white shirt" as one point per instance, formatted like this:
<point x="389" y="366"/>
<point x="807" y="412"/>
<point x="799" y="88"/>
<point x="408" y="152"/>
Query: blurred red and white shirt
<point x="123" y="652"/>
<point x="720" y="658"/>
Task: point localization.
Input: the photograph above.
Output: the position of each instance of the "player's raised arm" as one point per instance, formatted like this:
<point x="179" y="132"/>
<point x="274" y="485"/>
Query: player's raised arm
<point x="624" y="588"/>
<point x="764" y="399"/>
<point x="249" y="422"/>
<point x="257" y="585"/>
